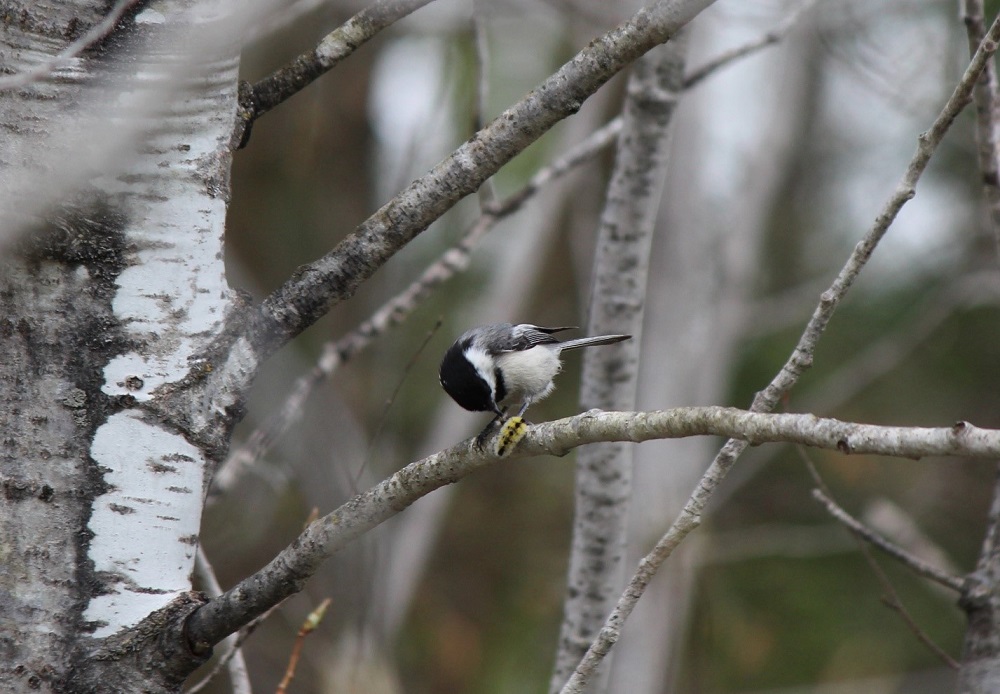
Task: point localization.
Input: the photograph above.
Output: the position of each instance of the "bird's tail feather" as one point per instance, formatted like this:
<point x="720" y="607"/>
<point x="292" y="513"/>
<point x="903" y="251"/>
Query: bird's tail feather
<point x="589" y="341"/>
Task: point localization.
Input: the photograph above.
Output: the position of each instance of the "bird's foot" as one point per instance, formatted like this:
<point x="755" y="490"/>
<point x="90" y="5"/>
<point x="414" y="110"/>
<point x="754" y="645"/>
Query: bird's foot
<point x="485" y="434"/>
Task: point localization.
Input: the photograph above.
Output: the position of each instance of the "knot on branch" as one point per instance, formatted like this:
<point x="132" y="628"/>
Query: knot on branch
<point x="157" y="654"/>
<point x="975" y="593"/>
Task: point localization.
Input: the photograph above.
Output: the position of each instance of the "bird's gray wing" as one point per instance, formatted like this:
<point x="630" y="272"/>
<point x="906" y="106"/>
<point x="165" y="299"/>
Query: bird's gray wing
<point x="526" y="336"/>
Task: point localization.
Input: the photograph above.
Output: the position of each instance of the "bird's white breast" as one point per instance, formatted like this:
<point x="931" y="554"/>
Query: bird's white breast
<point x="529" y="373"/>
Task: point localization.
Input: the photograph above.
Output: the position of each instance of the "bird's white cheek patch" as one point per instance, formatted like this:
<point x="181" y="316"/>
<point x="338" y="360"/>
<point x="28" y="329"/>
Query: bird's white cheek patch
<point x="484" y="365"/>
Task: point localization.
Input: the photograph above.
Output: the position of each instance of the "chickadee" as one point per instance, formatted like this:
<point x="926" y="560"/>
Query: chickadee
<point x="494" y="365"/>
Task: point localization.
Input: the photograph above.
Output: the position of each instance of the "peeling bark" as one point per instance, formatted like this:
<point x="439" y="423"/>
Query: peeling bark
<point x="114" y="172"/>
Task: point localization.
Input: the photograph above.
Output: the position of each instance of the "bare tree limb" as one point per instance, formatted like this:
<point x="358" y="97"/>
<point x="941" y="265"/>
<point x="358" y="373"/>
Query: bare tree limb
<point x="981" y="652"/>
<point x="287" y="573"/>
<point x="918" y="566"/>
<point x="455" y="260"/>
<point x="799" y="361"/>
<point x="772" y="37"/>
<point x="284" y="83"/>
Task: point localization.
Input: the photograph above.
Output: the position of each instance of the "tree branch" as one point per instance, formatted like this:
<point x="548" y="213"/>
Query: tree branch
<point x="772" y="37"/>
<point x="317" y="286"/>
<point x="287" y="573"/>
<point x="452" y="262"/>
<point x="918" y="566"/>
<point x="308" y="626"/>
<point x="987" y="117"/>
<point x="980" y="669"/>
<point x="259" y="98"/>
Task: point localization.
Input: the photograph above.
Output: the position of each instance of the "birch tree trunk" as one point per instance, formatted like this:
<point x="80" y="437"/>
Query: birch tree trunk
<point x="705" y="262"/>
<point x="115" y="184"/>
<point x="610" y="376"/>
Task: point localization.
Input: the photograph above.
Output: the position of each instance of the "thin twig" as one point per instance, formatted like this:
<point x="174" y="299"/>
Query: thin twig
<point x="799" y="361"/>
<point x="384" y="417"/>
<point x="284" y="83"/>
<point x="891" y="598"/>
<point x="892" y="601"/>
<point x="772" y="37"/>
<point x="863" y="534"/>
<point x="918" y="566"/>
<point x="452" y="262"/>
<point x="480" y="44"/>
<point x="308" y="627"/>
<point x="316" y="287"/>
<point x="95" y="34"/>
<point x="582" y="153"/>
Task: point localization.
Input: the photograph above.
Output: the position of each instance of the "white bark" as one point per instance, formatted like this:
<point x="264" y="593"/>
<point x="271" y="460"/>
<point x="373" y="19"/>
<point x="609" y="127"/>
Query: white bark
<point x="107" y="297"/>
<point x="145" y="527"/>
<point x="610" y="376"/>
<point x="171" y="300"/>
